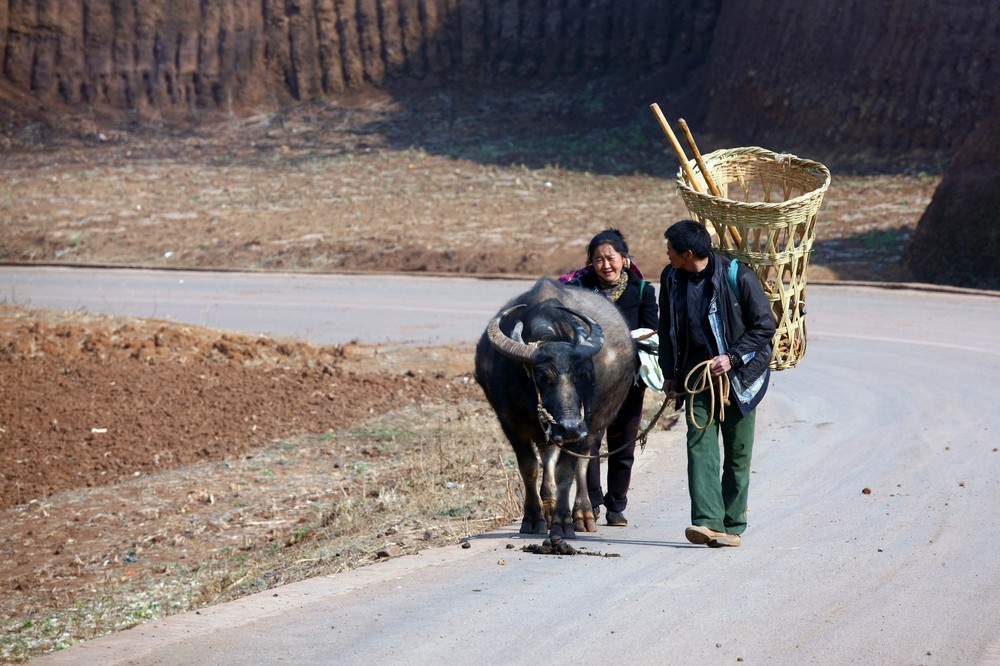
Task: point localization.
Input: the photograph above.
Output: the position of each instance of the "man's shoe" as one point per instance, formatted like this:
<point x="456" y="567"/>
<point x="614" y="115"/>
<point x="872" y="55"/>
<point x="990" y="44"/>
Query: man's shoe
<point x="701" y="535"/>
<point x="616" y="519"/>
<point x="724" y="540"/>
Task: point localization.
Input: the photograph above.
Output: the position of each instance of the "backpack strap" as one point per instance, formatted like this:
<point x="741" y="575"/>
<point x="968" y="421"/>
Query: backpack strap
<point x="733" y="267"/>
<point x="642" y="285"/>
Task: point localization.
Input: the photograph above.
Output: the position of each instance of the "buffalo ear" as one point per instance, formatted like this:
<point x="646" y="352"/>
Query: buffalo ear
<point x="516" y="333"/>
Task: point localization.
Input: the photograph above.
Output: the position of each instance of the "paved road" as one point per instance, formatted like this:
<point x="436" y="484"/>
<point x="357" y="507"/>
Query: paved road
<point x="323" y="309"/>
<point x="897" y="395"/>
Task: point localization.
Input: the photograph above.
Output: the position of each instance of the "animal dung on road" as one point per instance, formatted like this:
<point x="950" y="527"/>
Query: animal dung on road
<point x="560" y="547"/>
<point x="549" y="547"/>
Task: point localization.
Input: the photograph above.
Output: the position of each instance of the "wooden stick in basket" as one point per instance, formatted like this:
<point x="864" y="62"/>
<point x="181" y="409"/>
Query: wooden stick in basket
<point x="677" y="147"/>
<point x="665" y="126"/>
<point x="705" y="172"/>
<point x="698" y="158"/>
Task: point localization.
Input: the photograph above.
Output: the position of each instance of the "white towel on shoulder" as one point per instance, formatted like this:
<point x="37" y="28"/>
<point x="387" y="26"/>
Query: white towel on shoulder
<point x="649" y="363"/>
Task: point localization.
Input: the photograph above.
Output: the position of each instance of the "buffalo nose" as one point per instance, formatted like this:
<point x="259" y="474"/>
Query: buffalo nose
<point x="569" y="431"/>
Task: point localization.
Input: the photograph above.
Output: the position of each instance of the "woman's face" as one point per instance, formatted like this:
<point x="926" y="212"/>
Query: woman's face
<point x="607" y="262"/>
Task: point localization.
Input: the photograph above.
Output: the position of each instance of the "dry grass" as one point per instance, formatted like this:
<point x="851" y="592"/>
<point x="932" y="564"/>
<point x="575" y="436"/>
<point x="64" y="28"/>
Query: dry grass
<point x="309" y="506"/>
<point x="327" y="189"/>
<point x="415" y="478"/>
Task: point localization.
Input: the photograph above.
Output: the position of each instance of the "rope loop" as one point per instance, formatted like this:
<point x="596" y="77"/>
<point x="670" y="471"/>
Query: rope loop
<point x="704" y="382"/>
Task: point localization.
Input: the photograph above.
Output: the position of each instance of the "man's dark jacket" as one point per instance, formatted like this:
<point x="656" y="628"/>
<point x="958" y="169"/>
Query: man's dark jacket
<point x="740" y="323"/>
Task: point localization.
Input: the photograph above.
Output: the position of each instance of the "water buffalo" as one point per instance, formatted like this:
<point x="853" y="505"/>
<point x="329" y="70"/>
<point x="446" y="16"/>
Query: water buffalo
<point x="555" y="363"/>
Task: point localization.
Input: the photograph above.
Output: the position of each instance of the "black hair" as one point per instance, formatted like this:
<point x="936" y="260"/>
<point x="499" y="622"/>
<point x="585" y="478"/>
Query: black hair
<point x="689" y="235"/>
<point x="611" y="237"/>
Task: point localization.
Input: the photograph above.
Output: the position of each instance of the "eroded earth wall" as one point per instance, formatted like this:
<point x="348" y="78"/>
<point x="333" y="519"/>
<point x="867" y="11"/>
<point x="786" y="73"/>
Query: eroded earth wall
<point x="891" y="76"/>
<point x="894" y="75"/>
<point x="169" y="54"/>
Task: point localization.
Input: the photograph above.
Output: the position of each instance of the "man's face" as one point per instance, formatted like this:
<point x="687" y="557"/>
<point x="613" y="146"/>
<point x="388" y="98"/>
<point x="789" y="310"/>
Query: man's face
<point x="680" y="261"/>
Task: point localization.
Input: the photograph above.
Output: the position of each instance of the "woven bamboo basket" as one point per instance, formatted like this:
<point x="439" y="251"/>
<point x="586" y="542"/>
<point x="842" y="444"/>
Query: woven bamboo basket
<point x="765" y="217"/>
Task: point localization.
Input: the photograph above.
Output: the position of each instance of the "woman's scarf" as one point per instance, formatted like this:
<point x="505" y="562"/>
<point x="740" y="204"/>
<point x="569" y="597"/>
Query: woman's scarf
<point x="614" y="289"/>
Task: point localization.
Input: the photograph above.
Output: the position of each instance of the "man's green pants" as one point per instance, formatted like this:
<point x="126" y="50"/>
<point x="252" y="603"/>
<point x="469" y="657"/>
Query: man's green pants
<point x="720" y="505"/>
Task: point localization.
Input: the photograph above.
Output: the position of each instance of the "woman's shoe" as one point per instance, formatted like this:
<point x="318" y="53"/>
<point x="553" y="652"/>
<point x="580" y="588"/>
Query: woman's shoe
<point x="617" y="519"/>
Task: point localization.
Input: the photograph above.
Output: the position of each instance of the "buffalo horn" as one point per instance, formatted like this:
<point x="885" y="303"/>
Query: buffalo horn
<point x="516" y="350"/>
<point x="594" y="340"/>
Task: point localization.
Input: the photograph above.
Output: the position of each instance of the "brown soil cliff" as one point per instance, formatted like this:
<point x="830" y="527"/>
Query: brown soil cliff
<point x="854" y="77"/>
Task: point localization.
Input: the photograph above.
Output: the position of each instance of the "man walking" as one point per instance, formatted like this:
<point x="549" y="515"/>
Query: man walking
<point x="714" y="314"/>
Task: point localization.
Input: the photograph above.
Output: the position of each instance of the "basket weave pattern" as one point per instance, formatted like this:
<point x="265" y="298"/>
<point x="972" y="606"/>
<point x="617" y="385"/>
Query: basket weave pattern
<point x="766" y="218"/>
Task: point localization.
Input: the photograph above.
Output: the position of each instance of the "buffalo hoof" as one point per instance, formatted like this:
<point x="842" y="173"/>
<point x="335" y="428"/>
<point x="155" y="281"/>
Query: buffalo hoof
<point x="536" y="526"/>
<point x="561" y="531"/>
<point x="585" y="521"/>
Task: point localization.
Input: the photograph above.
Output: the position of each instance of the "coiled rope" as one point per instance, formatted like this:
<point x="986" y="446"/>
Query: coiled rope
<point x="704" y="382"/>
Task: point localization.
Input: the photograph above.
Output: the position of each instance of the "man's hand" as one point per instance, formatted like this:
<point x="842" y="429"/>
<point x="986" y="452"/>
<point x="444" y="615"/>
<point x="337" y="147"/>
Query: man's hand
<point x="721" y="365"/>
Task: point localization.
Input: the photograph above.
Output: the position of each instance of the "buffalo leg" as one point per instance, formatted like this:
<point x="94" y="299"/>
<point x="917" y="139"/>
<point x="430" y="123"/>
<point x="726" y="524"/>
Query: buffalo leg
<point x="550" y="454"/>
<point x="584" y="519"/>
<point x="534" y="520"/>
<point x="562" y="517"/>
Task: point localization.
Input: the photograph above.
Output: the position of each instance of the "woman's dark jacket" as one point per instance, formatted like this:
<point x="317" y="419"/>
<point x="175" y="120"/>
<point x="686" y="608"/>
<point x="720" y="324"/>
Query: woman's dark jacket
<point x="639" y="310"/>
<point x="740" y="323"/>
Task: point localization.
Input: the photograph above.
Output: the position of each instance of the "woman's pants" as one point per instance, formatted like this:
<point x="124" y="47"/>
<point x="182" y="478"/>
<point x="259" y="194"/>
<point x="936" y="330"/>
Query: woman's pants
<point x="622" y="432"/>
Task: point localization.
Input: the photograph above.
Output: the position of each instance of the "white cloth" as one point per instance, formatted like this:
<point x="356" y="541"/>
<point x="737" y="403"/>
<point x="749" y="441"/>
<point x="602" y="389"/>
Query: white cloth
<point x="649" y="363"/>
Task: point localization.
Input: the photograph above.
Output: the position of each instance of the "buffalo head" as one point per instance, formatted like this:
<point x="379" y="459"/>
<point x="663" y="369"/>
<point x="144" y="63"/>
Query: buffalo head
<point x="559" y="360"/>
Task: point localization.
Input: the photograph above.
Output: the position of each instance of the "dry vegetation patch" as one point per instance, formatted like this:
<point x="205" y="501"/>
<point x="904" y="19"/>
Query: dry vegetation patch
<point x="140" y="519"/>
<point x="324" y="188"/>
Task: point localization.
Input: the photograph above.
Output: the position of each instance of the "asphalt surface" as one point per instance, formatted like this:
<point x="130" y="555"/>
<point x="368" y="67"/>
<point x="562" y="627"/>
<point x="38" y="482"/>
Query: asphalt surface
<point x="872" y="528"/>
<point x="321" y="309"/>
